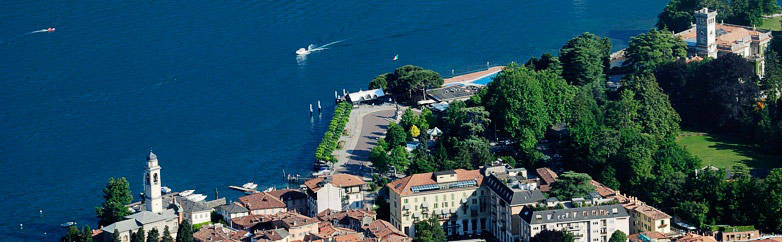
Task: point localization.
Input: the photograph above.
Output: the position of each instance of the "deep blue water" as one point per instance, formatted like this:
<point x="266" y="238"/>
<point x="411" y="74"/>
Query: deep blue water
<point x="214" y="87"/>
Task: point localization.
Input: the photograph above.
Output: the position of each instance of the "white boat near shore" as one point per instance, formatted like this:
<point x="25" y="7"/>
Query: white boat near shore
<point x="165" y="190"/>
<point x="196" y="197"/>
<point x="186" y="193"/>
<point x="250" y="185"/>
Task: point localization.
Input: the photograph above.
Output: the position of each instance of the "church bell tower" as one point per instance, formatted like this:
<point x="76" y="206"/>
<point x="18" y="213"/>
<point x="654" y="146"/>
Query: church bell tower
<point x="705" y="25"/>
<point x="152" y="198"/>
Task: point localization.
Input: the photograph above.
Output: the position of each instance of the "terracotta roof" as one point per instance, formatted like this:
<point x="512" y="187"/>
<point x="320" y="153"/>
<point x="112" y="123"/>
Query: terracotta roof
<point x="217" y="233"/>
<point x="384" y="231"/>
<point x="246" y="222"/>
<point x="261" y="200"/>
<point x="338" y="180"/>
<point x="271" y="235"/>
<point x="336" y="216"/>
<point x="327" y="230"/>
<point x="696" y="238"/>
<point x="728" y="34"/>
<point x="402" y="186"/>
<point x="293" y="219"/>
<point x="547" y="175"/>
<point x="287" y="194"/>
<point x="629" y="202"/>
<point x="354" y="237"/>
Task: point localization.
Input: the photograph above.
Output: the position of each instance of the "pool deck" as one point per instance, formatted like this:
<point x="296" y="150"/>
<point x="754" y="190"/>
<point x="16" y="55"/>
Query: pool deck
<point x="473" y="76"/>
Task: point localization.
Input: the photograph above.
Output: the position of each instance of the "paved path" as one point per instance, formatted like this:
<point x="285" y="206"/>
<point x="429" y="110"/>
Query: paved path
<point x="366" y="126"/>
<point x="473" y="76"/>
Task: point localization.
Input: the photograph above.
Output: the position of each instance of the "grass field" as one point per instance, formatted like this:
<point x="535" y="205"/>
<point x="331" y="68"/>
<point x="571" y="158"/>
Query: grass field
<point x="724" y="152"/>
<point x="771" y="24"/>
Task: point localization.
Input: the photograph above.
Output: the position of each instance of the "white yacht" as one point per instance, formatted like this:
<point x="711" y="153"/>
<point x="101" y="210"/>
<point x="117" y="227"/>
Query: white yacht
<point x="250" y="185"/>
<point x="186" y="193"/>
<point x="196" y="197"/>
<point x="165" y="189"/>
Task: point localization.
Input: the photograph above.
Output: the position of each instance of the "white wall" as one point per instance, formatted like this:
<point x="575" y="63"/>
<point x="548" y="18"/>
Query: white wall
<point x="329" y="197"/>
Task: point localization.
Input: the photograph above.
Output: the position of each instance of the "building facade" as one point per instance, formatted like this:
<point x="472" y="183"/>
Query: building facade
<point x="587" y="224"/>
<point x="511" y="191"/>
<point x="262" y="203"/>
<point x="336" y="192"/>
<point x="455" y="197"/>
<point x="643" y="218"/>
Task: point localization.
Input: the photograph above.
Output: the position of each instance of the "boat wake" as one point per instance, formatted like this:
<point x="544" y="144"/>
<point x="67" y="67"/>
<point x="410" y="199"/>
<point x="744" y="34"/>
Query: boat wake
<point x="313" y="48"/>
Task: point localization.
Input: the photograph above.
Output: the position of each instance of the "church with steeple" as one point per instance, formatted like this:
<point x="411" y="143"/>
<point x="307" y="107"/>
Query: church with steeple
<point x="154" y="214"/>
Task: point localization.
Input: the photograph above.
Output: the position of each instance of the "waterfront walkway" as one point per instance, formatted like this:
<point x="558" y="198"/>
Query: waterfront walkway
<point x="473" y="76"/>
<point x="366" y="124"/>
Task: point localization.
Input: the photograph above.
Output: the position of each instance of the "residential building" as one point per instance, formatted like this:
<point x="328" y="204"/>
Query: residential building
<point x="511" y="191"/>
<point x="707" y="38"/>
<point x="587" y="224"/>
<point x="381" y="230"/>
<point x="695" y="238"/>
<point x="354" y="219"/>
<point x="328" y="230"/>
<point x="249" y="221"/>
<point x="295" y="200"/>
<point x="456" y="197"/>
<point x="196" y="212"/>
<point x="263" y="203"/>
<point x="155" y="215"/>
<point x="216" y="232"/>
<point x="231" y="211"/>
<point x="547" y="177"/>
<point x="643" y="218"/>
<point x="734" y="233"/>
<point x="336" y="192"/>
<point x="298" y="226"/>
<point x="272" y="235"/>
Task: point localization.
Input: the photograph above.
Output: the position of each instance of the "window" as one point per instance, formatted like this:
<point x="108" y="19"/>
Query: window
<point x="155" y="176"/>
<point x="435" y="205"/>
<point x="452" y="196"/>
<point x="405" y="201"/>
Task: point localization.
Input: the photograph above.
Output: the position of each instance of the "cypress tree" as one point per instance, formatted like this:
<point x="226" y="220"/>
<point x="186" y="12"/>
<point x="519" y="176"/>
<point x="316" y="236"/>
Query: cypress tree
<point x="167" y="235"/>
<point x="153" y="235"/>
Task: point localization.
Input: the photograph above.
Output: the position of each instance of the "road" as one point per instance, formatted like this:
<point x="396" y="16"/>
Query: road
<point x="372" y="124"/>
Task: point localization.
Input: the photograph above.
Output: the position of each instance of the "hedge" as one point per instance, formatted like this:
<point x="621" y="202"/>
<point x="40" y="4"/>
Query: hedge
<point x="329" y="142"/>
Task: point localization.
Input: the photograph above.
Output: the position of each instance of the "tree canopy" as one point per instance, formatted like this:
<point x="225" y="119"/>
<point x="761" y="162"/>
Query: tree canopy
<point x="648" y="51"/>
<point x="572" y="185"/>
<point x="618" y="236"/>
<point x="116" y="194"/>
<point x="585" y="58"/>
<point x="429" y="230"/>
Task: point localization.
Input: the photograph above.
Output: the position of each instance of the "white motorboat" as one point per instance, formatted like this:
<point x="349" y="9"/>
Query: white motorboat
<point x="165" y="189"/>
<point x="186" y="193"/>
<point x="67" y="224"/>
<point x="250" y="185"/>
<point x="196" y="197"/>
<point x="302" y="51"/>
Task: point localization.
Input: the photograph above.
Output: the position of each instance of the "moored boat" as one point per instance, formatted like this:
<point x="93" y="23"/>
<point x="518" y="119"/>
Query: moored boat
<point x="186" y="193"/>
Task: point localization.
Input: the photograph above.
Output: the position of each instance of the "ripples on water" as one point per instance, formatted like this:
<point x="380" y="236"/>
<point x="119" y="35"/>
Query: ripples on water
<point x="215" y="88"/>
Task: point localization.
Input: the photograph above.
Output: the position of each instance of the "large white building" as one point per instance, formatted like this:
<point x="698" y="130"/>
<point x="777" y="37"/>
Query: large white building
<point x="336" y="192"/>
<point x="512" y="191"/>
<point x="587" y="224"/>
<point x="707" y="38"/>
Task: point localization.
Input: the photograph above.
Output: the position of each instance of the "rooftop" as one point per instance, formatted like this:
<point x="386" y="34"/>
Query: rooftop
<point x="367" y="95"/>
<point x="405" y="185"/>
<point x="630" y="202"/>
<point x="193" y="207"/>
<point x="261" y="200"/>
<point x="232" y="208"/>
<point x="384" y="231"/>
<point x="455" y="92"/>
<point x="573" y="214"/>
<point x="728" y="36"/>
<point x="513" y="187"/>
<point x="217" y="232"/>
<point x="339" y="180"/>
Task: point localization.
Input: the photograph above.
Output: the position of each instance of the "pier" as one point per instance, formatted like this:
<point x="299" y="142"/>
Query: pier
<point x="246" y="190"/>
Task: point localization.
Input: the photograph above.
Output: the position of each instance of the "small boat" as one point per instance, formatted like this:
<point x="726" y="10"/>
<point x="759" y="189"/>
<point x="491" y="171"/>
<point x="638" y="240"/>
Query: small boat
<point x="50" y="30"/>
<point x="165" y="189"/>
<point x="396" y="58"/>
<point x="250" y="185"/>
<point x="269" y="189"/>
<point x="196" y="197"/>
<point x="67" y="224"/>
<point x="186" y="193"/>
<point x="302" y="51"/>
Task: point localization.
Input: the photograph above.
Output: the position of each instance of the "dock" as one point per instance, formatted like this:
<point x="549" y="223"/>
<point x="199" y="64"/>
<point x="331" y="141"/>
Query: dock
<point x="246" y="190"/>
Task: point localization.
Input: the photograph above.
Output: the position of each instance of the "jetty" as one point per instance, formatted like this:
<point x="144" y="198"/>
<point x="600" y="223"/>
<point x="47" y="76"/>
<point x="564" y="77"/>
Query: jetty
<point x="246" y="190"/>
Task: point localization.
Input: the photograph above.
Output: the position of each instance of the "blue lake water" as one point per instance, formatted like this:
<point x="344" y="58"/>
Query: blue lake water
<point x="215" y="90"/>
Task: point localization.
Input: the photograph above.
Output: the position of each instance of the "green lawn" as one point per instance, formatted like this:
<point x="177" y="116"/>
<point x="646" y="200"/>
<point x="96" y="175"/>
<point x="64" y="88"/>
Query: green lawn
<point x="771" y="24"/>
<point x="724" y="152"/>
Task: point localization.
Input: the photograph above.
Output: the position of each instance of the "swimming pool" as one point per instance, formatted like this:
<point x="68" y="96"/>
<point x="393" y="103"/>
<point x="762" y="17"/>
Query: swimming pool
<point x="486" y="79"/>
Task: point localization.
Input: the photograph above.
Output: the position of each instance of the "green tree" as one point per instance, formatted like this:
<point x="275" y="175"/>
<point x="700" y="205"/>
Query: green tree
<point x="585" y="58"/>
<point x="379" y="157"/>
<point x="86" y="234"/>
<point x="773" y="201"/>
<point x="73" y="235"/>
<point x="140" y="235"/>
<point x="185" y="232"/>
<point x="572" y="185"/>
<point x="380" y="81"/>
<point x="395" y="136"/>
<point x="427" y="116"/>
<point x="618" y="236"/>
<point x="648" y="51"/>
<point x="546" y="62"/>
<point x="462" y="122"/>
<point x="472" y="153"/>
<point x="399" y="158"/>
<point x="116" y="195"/>
<point x="656" y="115"/>
<point x="166" y="236"/>
<point x="553" y="236"/>
<point x="693" y="212"/>
<point x="115" y="236"/>
<point x="429" y="231"/>
<point x="515" y="101"/>
<point x="772" y="81"/>
<point x="153" y="235"/>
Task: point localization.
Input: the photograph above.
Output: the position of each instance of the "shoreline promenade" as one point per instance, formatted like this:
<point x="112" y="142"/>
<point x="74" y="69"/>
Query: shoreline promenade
<point x="473" y="75"/>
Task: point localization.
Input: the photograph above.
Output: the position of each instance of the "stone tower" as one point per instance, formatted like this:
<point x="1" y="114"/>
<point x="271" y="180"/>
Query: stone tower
<point x="705" y="25"/>
<point x="152" y="198"/>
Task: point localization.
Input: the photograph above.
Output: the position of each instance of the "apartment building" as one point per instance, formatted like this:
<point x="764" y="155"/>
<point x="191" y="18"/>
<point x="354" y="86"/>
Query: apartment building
<point x="456" y="197"/>
<point x="511" y="191"/>
<point x="643" y="218"/>
<point x="336" y="192"/>
<point x="587" y="224"/>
